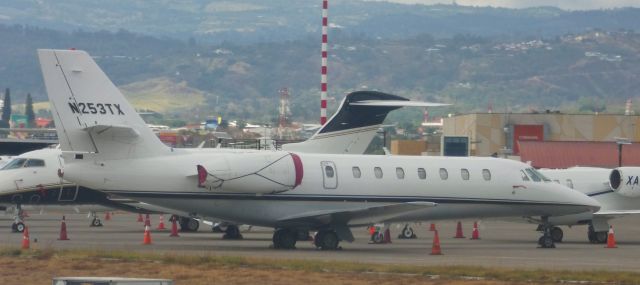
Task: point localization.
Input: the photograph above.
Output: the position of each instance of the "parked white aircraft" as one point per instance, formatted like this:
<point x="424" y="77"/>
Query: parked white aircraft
<point x="32" y="179"/>
<point x="617" y="190"/>
<point x="107" y="146"/>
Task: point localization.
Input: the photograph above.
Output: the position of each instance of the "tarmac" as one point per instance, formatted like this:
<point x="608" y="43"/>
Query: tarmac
<point x="502" y="244"/>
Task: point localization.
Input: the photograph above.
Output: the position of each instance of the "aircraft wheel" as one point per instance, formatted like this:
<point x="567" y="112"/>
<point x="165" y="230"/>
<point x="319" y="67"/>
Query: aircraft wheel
<point x="327" y="240"/>
<point x="96" y="223"/>
<point x="217" y="229"/>
<point x="377" y="237"/>
<point x="232" y="232"/>
<point x="19" y="226"/>
<point x="557" y="234"/>
<point x="407" y="233"/>
<point x="601" y="237"/>
<point x="284" y="239"/>
<point x="546" y="242"/>
<point x="189" y="224"/>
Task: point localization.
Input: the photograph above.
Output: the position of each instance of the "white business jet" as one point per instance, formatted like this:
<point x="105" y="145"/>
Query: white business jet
<point x="107" y="146"/>
<point x="617" y="190"/>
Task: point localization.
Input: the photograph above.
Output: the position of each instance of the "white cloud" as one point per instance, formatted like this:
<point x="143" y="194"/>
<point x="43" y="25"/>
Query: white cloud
<point x="564" y="4"/>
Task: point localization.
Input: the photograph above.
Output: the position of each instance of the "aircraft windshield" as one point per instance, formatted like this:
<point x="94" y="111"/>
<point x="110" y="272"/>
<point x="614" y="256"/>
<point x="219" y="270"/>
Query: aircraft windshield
<point x="544" y="178"/>
<point x="14" y="163"/>
<point x="536" y="176"/>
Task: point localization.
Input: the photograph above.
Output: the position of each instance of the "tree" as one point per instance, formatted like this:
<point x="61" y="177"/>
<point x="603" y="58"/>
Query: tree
<point x="28" y="111"/>
<point x="6" y="109"/>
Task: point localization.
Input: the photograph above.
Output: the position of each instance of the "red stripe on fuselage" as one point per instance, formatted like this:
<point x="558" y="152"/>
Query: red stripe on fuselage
<point x="297" y="164"/>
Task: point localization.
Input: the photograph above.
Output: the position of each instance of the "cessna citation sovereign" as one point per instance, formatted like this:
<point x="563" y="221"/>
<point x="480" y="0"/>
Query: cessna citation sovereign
<point x="617" y="190"/>
<point x="107" y="146"/>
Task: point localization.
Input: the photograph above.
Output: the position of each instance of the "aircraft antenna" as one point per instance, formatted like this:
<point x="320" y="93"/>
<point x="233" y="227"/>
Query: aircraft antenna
<point x="323" y="72"/>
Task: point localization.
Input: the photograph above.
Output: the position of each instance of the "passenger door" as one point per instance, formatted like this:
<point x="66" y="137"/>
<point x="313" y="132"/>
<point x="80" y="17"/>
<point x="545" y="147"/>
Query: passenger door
<point x="329" y="175"/>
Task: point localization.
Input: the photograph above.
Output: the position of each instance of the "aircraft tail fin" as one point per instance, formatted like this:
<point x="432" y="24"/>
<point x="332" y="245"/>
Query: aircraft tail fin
<point x="352" y="128"/>
<point x="90" y="113"/>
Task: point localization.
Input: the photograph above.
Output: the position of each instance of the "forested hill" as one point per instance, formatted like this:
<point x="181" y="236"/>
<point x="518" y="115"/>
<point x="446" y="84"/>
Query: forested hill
<point x="251" y="21"/>
<point x="596" y="70"/>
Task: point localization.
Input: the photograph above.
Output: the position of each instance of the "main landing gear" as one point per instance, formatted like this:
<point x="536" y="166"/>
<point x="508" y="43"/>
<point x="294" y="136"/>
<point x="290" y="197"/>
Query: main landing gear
<point x="18" y="224"/>
<point x="95" y="222"/>
<point x="188" y="224"/>
<point x="232" y="232"/>
<point x="597" y="237"/>
<point x="407" y="233"/>
<point x="326" y="239"/>
<point x="546" y="240"/>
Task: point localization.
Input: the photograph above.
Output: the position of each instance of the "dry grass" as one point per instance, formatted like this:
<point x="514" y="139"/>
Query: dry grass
<point x="39" y="266"/>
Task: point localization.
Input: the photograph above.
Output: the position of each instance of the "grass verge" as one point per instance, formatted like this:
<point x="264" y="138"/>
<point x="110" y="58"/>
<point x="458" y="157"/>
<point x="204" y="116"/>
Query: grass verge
<point x="231" y="262"/>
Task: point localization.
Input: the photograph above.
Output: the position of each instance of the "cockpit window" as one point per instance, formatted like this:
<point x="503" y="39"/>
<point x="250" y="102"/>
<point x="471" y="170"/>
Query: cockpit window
<point x="533" y="175"/>
<point x="539" y="174"/>
<point x="524" y="176"/>
<point x="15" y="163"/>
<point x="34" y="163"/>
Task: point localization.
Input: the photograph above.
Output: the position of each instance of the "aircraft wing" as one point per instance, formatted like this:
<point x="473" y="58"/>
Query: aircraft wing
<point x="365" y="215"/>
<point x="616" y="213"/>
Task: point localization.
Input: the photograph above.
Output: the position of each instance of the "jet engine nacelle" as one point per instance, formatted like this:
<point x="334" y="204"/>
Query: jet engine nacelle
<point x="625" y="181"/>
<point x="258" y="173"/>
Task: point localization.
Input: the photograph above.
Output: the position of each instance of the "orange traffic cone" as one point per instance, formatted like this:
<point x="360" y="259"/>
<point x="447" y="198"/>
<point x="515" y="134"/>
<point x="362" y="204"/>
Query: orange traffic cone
<point x="174" y="228"/>
<point x="611" y="240"/>
<point x="147" y="221"/>
<point x="475" y="234"/>
<point x="435" y="248"/>
<point x="147" y="235"/>
<point x="459" y="233"/>
<point x="25" y="238"/>
<point x="63" y="230"/>
<point x="432" y="227"/>
<point x="140" y="220"/>
<point x="107" y="216"/>
<point x="387" y="236"/>
<point x="161" y="224"/>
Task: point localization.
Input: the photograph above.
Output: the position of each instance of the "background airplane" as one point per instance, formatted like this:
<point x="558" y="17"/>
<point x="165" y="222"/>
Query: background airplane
<point x="616" y="190"/>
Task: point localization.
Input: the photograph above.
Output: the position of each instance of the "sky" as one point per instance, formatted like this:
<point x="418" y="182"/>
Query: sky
<point x="563" y="4"/>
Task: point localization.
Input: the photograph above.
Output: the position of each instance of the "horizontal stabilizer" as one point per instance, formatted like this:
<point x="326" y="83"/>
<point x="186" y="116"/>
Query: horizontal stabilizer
<point x="356" y="217"/>
<point x="400" y="103"/>
<point x="121" y="131"/>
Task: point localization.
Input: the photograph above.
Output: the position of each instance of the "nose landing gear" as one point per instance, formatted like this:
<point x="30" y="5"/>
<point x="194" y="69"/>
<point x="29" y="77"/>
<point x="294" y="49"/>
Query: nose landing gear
<point x="546" y="240"/>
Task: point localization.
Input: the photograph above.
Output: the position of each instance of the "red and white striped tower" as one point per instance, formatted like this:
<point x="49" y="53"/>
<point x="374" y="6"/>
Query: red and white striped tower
<point x="323" y="76"/>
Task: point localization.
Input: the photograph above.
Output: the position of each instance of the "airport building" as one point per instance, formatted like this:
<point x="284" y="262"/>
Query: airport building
<point x="537" y="137"/>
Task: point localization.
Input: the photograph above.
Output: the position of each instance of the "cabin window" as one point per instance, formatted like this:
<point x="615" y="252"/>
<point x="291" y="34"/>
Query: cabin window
<point x="14" y="164"/>
<point x="464" y="173"/>
<point x="486" y="174"/>
<point x="422" y="174"/>
<point x="356" y="172"/>
<point x="533" y="175"/>
<point x="378" y="172"/>
<point x="444" y="174"/>
<point x="524" y="176"/>
<point x="328" y="170"/>
<point x="399" y="172"/>
<point x="556" y="181"/>
<point x="570" y="183"/>
<point x="34" y="163"/>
